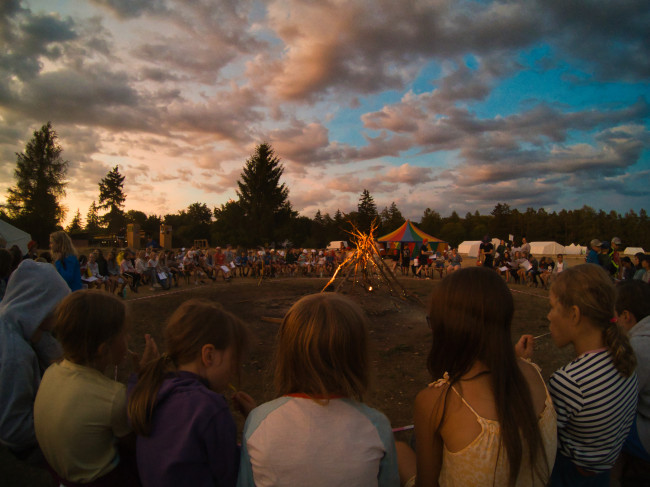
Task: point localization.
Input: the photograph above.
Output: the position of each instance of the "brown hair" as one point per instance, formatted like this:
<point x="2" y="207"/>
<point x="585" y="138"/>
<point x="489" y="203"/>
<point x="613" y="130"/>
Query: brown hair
<point x="322" y="348"/>
<point x="589" y="287"/>
<point x="194" y="324"/>
<point x="470" y="313"/>
<point x="86" y="319"/>
<point x="633" y="296"/>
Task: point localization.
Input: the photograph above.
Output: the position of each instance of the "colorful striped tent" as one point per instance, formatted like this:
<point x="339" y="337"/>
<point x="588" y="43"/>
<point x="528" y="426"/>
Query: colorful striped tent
<point x="410" y="235"/>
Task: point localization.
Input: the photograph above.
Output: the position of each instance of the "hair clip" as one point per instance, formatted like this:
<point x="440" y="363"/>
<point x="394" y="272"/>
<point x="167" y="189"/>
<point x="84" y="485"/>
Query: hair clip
<point x="441" y="382"/>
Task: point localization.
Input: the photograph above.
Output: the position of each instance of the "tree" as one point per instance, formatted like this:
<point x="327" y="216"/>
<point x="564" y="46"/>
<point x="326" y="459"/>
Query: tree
<point x="33" y="203"/>
<point x="262" y="197"/>
<point x="75" y="224"/>
<point x="366" y="211"/>
<point x="391" y="218"/>
<point x="199" y="213"/>
<point x="431" y="222"/>
<point x="501" y="226"/>
<point x="111" y="198"/>
<point x="92" y="219"/>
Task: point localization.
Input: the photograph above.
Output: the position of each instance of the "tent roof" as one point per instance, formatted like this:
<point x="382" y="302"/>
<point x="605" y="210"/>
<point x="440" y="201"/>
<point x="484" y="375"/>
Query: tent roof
<point x="14" y="236"/>
<point x="408" y="233"/>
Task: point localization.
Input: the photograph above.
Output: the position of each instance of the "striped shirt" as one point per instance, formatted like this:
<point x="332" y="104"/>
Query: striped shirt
<point x="595" y="408"/>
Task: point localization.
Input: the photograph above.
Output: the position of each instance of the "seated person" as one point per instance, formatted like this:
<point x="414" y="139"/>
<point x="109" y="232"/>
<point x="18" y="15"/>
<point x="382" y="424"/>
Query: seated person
<point x="633" y="309"/>
<point x="627" y="273"/>
<point x="93" y="278"/>
<point x="455" y="261"/>
<point x="128" y="272"/>
<point x="26" y="348"/>
<point x="80" y="414"/>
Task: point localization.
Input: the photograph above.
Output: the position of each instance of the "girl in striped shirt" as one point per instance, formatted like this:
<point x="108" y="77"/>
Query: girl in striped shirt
<point x="595" y="395"/>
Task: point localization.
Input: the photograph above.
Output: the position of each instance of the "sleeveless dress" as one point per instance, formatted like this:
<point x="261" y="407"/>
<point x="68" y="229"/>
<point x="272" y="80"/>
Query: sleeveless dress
<point x="483" y="463"/>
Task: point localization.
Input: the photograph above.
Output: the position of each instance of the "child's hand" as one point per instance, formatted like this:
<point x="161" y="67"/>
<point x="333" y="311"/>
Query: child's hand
<point x="524" y="347"/>
<point x="150" y="353"/>
<point x="243" y="402"/>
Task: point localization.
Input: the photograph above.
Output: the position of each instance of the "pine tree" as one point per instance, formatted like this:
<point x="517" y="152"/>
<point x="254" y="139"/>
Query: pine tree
<point x="367" y="210"/>
<point x="92" y="219"/>
<point x="33" y="203"/>
<point x="75" y="224"/>
<point x="262" y="197"/>
<point x="391" y="218"/>
<point x="111" y="198"/>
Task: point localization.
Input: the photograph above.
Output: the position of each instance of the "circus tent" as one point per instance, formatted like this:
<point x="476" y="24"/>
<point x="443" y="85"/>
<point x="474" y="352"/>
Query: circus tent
<point x="410" y="235"/>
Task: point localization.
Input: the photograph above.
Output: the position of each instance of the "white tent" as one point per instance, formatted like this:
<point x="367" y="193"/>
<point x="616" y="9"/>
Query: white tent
<point x="574" y="249"/>
<point x="469" y="247"/>
<point x="14" y="236"/>
<point x="546" y="248"/>
<point x="633" y="250"/>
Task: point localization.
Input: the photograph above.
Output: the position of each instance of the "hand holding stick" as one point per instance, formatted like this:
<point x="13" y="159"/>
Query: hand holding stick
<point x="525" y="346"/>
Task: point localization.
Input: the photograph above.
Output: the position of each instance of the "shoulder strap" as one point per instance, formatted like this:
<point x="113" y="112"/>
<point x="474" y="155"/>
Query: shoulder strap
<point x="465" y="402"/>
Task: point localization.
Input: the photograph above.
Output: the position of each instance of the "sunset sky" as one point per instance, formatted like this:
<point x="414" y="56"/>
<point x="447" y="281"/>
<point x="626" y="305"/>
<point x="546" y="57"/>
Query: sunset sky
<point x="450" y="105"/>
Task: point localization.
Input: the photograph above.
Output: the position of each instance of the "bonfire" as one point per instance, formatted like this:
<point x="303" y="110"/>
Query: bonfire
<point x="364" y="269"/>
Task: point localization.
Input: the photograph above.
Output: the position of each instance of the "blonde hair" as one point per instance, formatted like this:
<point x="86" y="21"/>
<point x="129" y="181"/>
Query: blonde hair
<point x="194" y="324"/>
<point x="322" y="348"/>
<point x="86" y="319"/>
<point x="61" y="245"/>
<point x="589" y="287"/>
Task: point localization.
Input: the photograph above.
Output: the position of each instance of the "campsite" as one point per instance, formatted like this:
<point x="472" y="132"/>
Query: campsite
<point x="400" y="340"/>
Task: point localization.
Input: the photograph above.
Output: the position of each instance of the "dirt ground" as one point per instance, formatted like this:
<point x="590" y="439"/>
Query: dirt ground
<point x="400" y="339"/>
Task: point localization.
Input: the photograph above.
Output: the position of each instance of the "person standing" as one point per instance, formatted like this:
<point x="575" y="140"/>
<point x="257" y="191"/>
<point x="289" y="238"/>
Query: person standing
<point x="486" y="252"/>
<point x="65" y="259"/>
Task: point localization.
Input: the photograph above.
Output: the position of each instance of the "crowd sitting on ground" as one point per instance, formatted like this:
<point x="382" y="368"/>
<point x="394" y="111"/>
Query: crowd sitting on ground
<point x="125" y="268"/>
<point x="487" y="418"/>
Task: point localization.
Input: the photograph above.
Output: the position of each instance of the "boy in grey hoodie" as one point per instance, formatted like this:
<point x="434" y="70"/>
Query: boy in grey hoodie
<point x="633" y="309"/>
<point x="26" y="349"/>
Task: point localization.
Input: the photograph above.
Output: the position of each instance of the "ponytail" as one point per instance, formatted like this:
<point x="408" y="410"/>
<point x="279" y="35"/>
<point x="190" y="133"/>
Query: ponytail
<point x="143" y="397"/>
<point x="590" y="288"/>
<point x="194" y="324"/>
<point x="620" y="349"/>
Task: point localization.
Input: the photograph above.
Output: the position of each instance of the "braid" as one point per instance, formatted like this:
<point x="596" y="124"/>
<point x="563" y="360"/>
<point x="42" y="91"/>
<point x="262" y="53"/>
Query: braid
<point x="620" y="349"/>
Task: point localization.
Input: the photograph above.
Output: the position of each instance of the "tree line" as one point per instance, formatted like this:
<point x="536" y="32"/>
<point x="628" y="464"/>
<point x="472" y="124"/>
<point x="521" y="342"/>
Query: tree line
<point x="263" y="215"/>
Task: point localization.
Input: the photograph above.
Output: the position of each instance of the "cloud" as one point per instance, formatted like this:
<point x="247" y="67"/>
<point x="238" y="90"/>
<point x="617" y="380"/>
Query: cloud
<point x="132" y="8"/>
<point x="617" y="31"/>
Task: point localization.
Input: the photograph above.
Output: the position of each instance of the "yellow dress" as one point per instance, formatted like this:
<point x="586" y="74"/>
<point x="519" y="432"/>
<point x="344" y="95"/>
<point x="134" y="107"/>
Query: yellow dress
<point x="483" y="463"/>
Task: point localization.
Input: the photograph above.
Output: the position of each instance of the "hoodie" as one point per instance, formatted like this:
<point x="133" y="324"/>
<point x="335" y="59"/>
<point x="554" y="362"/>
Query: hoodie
<point x="640" y="341"/>
<point x="193" y="440"/>
<point x="33" y="291"/>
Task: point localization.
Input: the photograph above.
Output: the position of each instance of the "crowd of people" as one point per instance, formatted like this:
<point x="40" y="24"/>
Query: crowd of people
<point x="487" y="418"/>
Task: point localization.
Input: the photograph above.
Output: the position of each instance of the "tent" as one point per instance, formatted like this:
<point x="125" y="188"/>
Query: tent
<point x="469" y="247"/>
<point x="633" y="251"/>
<point x="472" y="247"/>
<point x="546" y="248"/>
<point x="14" y="236"/>
<point x="410" y="235"/>
<point x="574" y="249"/>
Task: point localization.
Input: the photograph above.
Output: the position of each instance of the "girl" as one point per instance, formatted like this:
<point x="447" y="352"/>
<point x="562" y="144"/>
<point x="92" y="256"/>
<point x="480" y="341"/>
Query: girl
<point x="186" y="434"/>
<point x="318" y="432"/>
<point x="65" y="259"/>
<point x="595" y="396"/>
<point x="79" y="413"/>
<point x="489" y="419"/>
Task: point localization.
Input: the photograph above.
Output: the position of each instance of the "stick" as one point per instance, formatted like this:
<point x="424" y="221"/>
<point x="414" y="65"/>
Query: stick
<point x="543" y="335"/>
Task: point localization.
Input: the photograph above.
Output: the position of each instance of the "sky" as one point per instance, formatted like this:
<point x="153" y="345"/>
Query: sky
<point x="448" y="105"/>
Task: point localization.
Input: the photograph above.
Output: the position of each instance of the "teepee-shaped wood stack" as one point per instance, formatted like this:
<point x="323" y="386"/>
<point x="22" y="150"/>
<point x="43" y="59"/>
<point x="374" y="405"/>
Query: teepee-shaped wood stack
<point x="364" y="269"/>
